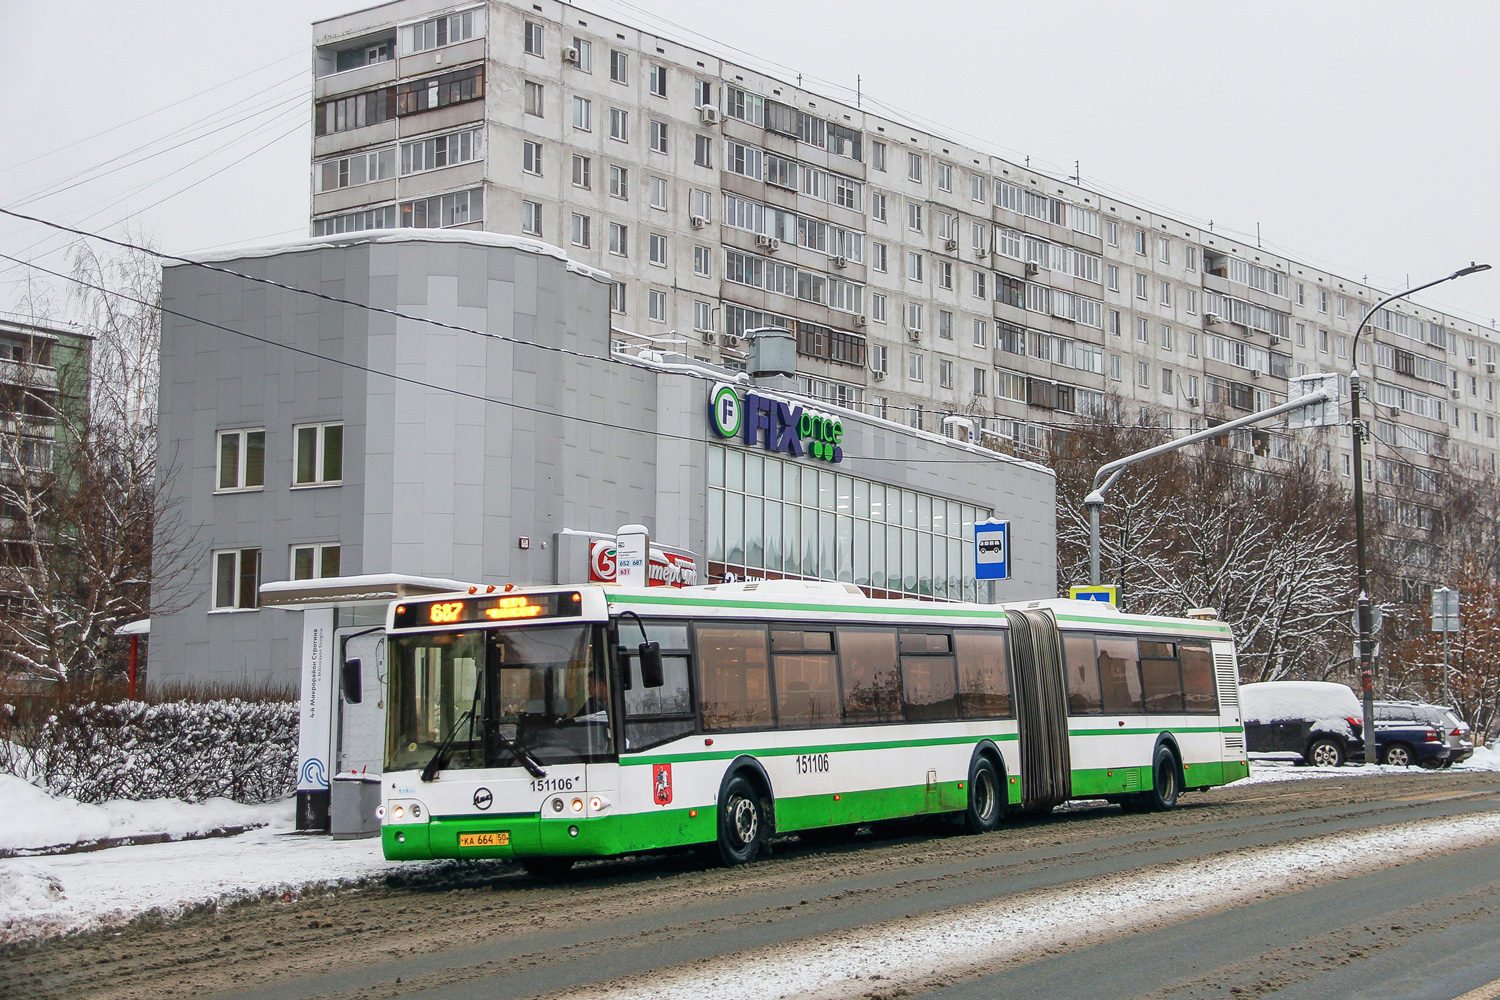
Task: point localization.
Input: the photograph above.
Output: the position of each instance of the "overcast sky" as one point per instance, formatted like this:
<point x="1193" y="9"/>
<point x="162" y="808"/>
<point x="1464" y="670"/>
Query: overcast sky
<point x="1361" y="137"/>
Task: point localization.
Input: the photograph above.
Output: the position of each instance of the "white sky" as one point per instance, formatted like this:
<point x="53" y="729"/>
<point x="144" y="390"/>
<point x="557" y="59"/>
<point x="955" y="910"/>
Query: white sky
<point x="1360" y="136"/>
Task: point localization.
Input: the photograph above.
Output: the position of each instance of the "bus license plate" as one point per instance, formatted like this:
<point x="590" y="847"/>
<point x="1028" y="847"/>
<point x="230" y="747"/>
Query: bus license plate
<point x="501" y="839"/>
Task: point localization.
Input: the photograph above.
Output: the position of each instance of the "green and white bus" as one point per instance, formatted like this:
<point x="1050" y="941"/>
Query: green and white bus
<point x="550" y="724"/>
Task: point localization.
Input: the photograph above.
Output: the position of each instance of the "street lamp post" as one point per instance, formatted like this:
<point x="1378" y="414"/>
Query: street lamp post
<point x="1366" y="675"/>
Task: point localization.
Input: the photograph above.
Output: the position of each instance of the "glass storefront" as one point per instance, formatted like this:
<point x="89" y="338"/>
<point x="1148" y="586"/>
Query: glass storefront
<point x="775" y="519"/>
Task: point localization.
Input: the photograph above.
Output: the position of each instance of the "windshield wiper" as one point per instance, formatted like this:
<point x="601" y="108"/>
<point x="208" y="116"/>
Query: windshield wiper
<point x="524" y="756"/>
<point x="440" y="759"/>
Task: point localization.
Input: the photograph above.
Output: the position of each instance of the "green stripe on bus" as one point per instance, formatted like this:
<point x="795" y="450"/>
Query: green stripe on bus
<point x="1179" y="624"/>
<point x="1151" y="730"/>
<point x="874" y="607"/>
<point x="810" y="748"/>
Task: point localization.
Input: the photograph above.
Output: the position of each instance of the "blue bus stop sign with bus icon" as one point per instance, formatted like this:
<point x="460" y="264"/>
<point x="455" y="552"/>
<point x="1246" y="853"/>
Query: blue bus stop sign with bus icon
<point x="992" y="550"/>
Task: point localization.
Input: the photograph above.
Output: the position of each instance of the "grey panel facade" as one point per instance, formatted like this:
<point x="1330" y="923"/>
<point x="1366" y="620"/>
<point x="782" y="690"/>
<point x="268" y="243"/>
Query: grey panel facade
<point x="458" y="445"/>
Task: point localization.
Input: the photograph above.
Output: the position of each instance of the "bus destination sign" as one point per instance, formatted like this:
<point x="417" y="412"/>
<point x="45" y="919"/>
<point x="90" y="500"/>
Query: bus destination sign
<point x="489" y="608"/>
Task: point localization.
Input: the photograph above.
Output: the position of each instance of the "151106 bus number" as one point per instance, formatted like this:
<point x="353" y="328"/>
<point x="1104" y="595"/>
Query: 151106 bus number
<point x="812" y="763"/>
<point x="553" y="784"/>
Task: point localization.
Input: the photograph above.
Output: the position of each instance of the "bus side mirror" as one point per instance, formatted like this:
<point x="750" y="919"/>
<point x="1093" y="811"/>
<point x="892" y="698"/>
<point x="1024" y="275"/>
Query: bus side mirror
<point x="651" y="670"/>
<point x="352" y="678"/>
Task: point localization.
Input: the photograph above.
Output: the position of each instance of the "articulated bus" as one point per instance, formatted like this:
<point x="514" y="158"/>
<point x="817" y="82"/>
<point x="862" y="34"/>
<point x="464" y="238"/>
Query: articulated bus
<point x="551" y="724"/>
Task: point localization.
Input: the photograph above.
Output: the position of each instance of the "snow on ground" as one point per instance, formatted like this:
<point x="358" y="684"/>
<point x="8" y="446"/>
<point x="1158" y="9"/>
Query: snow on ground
<point x="907" y="955"/>
<point x="34" y="818"/>
<point x="1268" y="769"/>
<point x="72" y="892"/>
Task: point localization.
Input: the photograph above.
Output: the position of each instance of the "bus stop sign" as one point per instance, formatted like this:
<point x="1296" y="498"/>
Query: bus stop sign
<point x="992" y="550"/>
<point x="1104" y="595"/>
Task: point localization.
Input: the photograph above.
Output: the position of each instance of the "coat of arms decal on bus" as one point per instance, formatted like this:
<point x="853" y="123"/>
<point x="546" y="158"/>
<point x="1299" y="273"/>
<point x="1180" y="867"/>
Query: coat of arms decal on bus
<point x="661" y="783"/>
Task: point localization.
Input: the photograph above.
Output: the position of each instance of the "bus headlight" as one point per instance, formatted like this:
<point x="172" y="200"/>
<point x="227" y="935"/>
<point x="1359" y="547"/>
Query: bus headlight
<point x="405" y="811"/>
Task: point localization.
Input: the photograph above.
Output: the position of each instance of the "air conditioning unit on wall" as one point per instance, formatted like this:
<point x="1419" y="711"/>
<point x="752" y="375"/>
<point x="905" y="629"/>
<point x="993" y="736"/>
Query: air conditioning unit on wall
<point x="878" y="374"/>
<point x="771" y="243"/>
<point x="912" y="333"/>
<point x="1032" y="267"/>
<point x="840" y="261"/>
<point x="709" y="115"/>
<point x="861" y="320"/>
<point x="570" y="55"/>
<point x="697" y="221"/>
<point x="950" y="245"/>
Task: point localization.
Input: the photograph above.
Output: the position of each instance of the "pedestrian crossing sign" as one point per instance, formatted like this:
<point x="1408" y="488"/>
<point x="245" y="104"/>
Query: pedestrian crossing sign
<point x="1104" y="595"/>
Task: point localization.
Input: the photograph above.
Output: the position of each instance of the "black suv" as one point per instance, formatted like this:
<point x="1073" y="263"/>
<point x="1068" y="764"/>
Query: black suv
<point x="1455" y="732"/>
<point x="1317" y="720"/>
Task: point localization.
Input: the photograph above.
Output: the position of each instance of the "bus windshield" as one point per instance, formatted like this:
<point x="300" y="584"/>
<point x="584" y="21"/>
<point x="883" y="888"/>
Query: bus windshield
<point x="541" y="688"/>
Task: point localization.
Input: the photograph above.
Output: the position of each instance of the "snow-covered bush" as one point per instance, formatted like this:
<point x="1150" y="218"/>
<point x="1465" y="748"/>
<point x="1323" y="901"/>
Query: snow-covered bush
<point x="95" y="751"/>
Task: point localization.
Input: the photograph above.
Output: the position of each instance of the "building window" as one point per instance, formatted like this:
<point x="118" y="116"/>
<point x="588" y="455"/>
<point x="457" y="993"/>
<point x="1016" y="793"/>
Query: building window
<point x="659" y="193"/>
<point x="914" y="267"/>
<point x="1190" y="301"/>
<point x="703" y="150"/>
<point x="1140" y="243"/>
<point x="619" y="125"/>
<point x="977" y="285"/>
<point x="1114" y="322"/>
<point x="1166" y="337"/>
<point x="1114" y="367"/>
<point x="1190" y="259"/>
<point x="1143" y="330"/>
<point x="585" y="55"/>
<point x="658" y="80"/>
<point x="944" y="177"/>
<point x="436" y="33"/>
<point x="531" y="157"/>
<point x="914" y="167"/>
<point x="531" y="218"/>
<point x="945" y="373"/>
<point x="914" y="316"/>
<point x="617" y="297"/>
<point x="877" y="206"/>
<point x="1322" y="300"/>
<point x="914" y="367"/>
<point x="580" y="230"/>
<point x="618" y="64"/>
<point x="351" y="171"/>
<point x="619" y="182"/>
<point x="581" y="171"/>
<point x="1164" y="250"/>
<point x="383" y="217"/>
<point x="236" y="580"/>
<point x="583" y="114"/>
<point x="533" y="38"/>
<point x="979" y="380"/>
<point x="658" y="250"/>
<point x="878" y="257"/>
<point x="318" y="454"/>
<point x="981" y="333"/>
<point x="1143" y="374"/>
<point x="914" y="217"/>
<point x="878" y="358"/>
<point x="534" y="98"/>
<point x="877" y="155"/>
<point x="703" y="317"/>
<point x="315" y="562"/>
<point x="1141" y="291"/>
<point x="701" y="257"/>
<point x="945" y="324"/>
<point x="656" y="305"/>
<point x="442" y="151"/>
<point x="1164" y="290"/>
<point x="659" y="137"/>
<point x="1166" y="380"/>
<point x="242" y="460"/>
<point x="945" y="274"/>
<point x="703" y="94"/>
<point x="619" y="240"/>
<point x="877" y="307"/>
<point x="440" y="211"/>
<point x="1112" y="233"/>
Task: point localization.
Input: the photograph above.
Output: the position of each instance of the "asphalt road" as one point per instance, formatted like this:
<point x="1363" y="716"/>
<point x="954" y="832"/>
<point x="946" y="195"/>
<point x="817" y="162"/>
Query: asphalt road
<point x="1420" y="928"/>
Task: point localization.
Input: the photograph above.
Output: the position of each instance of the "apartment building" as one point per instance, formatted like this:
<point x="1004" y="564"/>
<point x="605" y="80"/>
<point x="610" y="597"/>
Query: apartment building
<point x="923" y="278"/>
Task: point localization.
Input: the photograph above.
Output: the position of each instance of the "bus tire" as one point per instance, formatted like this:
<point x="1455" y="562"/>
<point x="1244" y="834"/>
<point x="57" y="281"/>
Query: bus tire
<point x="983" y="813"/>
<point x="1166" y="782"/>
<point x="547" y="867"/>
<point x="742" y="824"/>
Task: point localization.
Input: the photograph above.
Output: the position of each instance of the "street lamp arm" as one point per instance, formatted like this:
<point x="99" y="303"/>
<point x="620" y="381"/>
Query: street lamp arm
<point x="1461" y="272"/>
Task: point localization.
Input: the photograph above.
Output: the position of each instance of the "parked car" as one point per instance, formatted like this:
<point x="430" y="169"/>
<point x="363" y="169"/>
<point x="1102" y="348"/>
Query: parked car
<point x="1456" y="732"/>
<point x="1403" y="744"/>
<point x="1316" y="720"/>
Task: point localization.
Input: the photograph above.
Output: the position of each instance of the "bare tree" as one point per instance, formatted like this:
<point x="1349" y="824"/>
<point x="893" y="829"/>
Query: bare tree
<point x="85" y="503"/>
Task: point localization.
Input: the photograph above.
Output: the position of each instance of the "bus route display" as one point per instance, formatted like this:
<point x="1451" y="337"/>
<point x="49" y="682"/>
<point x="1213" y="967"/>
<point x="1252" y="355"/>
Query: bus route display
<point x="489" y="608"/>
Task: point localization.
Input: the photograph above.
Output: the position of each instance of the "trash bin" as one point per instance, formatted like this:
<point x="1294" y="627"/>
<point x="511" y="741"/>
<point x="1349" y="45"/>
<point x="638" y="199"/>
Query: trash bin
<point x="352" y="801"/>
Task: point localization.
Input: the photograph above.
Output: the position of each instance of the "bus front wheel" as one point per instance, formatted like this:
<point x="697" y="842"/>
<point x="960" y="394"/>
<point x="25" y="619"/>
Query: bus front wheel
<point x="984" y="809"/>
<point x="741" y="825"/>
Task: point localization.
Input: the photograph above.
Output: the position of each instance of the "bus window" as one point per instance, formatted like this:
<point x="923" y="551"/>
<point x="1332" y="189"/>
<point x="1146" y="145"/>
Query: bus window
<point x="983" y="685"/>
<point x="1083" y="674"/>
<point x="929" y="683"/>
<point x="806" y="689"/>
<point x="1199" y="690"/>
<point x="735" y="675"/>
<point x="871" y="686"/>
<point x="1119" y="675"/>
<point x="1160" y="677"/>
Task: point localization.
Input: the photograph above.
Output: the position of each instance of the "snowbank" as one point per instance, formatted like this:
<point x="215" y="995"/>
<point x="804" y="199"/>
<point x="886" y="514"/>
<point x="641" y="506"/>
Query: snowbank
<point x="34" y="818"/>
<point x="1293" y="701"/>
<point x="64" y="893"/>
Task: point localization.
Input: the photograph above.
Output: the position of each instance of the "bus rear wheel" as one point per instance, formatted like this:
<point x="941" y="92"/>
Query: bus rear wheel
<point x="741" y="825"/>
<point x="984" y="810"/>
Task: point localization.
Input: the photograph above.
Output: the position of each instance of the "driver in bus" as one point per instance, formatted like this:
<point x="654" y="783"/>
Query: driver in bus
<point x="598" y="700"/>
